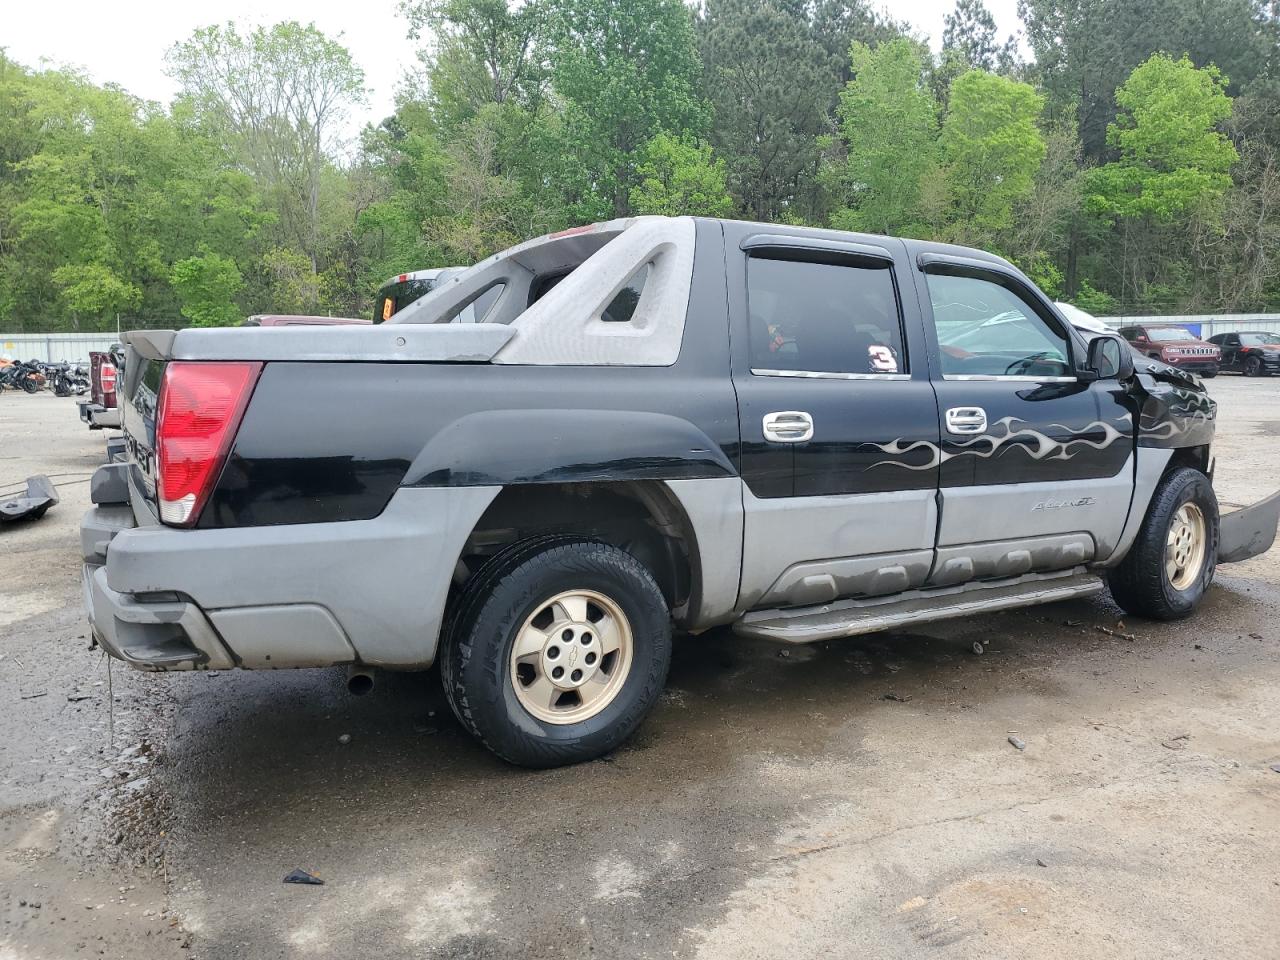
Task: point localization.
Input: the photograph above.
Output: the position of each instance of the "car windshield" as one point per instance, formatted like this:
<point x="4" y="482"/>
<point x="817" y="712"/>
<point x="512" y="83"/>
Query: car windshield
<point x="1260" y="339"/>
<point x="1170" y="333"/>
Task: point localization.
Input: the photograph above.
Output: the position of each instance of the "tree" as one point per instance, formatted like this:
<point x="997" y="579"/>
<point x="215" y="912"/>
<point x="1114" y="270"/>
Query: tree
<point x="625" y="72"/>
<point x="970" y="31"/>
<point x="281" y="96"/>
<point x="481" y="52"/>
<point x="1173" y="159"/>
<point x="680" y="178"/>
<point x="991" y="149"/>
<point x="206" y="286"/>
<point x="770" y="84"/>
<point x="888" y="124"/>
<point x="1085" y="49"/>
<point x="93" y="290"/>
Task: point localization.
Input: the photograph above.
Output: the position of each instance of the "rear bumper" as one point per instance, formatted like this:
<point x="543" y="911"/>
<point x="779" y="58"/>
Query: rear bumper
<point x="97" y="416"/>
<point x="302" y="595"/>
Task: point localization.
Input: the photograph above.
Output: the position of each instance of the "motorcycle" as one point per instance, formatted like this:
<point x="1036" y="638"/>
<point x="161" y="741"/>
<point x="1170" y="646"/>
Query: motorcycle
<point x="66" y="379"/>
<point x="23" y="375"/>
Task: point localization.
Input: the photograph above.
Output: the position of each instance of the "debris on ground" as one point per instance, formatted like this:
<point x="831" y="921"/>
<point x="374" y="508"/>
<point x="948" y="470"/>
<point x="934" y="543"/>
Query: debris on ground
<point x="301" y="876"/>
<point x="345" y="739"/>
<point x="1018" y="743"/>
<point x="1176" y="743"/>
<point x="1040" y="863"/>
<point x="40" y="496"/>
<point x="896" y="698"/>
<point x="1276" y="767"/>
<point x="1120" y="635"/>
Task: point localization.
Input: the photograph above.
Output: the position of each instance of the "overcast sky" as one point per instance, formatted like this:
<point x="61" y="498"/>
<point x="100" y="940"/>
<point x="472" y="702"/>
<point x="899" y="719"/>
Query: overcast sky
<point x="125" y="41"/>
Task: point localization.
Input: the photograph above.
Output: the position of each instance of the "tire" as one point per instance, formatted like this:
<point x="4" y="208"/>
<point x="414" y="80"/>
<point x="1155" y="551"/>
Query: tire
<point x="30" y="386"/>
<point x="1210" y="374"/>
<point x="1253" y="367"/>
<point x="509" y="599"/>
<point x="1142" y="583"/>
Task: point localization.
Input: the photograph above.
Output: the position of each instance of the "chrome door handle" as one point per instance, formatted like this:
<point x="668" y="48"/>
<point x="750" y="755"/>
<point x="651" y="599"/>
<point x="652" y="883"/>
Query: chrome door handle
<point x="966" y="420"/>
<point x="788" y="426"/>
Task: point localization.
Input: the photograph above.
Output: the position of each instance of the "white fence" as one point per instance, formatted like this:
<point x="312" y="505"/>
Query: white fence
<point x="54" y="347"/>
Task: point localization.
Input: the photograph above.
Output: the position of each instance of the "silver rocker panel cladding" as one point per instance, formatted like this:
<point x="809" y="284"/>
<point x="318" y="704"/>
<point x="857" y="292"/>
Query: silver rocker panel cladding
<point x="781" y="533"/>
<point x="384" y="580"/>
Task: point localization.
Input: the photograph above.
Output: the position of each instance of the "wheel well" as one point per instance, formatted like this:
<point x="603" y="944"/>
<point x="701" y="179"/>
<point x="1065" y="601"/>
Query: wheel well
<point x="1195" y="457"/>
<point x="642" y="518"/>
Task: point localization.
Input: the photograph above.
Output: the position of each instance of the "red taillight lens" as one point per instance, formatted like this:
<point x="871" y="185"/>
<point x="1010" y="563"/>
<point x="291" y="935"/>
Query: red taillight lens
<point x="107" y="376"/>
<point x="199" y="412"/>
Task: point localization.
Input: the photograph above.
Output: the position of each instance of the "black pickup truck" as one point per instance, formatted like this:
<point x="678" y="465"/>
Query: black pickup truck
<point x="656" y="424"/>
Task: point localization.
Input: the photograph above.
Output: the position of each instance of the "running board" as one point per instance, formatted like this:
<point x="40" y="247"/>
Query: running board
<point x="849" y="618"/>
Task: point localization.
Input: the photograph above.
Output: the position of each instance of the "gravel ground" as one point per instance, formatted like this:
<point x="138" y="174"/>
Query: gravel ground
<point x="849" y="799"/>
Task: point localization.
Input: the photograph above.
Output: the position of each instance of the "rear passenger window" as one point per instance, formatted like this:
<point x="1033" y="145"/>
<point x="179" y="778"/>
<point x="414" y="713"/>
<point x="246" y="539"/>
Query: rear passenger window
<point x="815" y="317"/>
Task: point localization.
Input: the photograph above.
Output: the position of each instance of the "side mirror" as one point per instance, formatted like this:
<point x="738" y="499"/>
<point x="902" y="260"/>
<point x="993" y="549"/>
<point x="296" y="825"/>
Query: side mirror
<point x="1110" y="357"/>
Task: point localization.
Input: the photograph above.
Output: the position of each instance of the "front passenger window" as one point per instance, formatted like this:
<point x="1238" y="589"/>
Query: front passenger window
<point x="985" y="329"/>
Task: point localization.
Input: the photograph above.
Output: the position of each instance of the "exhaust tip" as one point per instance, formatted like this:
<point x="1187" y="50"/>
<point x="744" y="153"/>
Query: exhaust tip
<point x="359" y="681"/>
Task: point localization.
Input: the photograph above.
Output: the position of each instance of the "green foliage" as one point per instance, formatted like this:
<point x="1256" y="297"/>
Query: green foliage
<point x="769" y="80"/>
<point x="92" y="290"/>
<point x="625" y="72"/>
<point x="1173" y="159"/>
<point x="680" y="178"/>
<point x="889" y="124"/>
<point x="991" y="148"/>
<point x="1096" y="302"/>
<point x="1110" y="175"/>
<point x="206" y="287"/>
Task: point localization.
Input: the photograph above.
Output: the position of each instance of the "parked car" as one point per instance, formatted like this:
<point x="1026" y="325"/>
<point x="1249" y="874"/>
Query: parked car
<point x="1174" y="345"/>
<point x="402" y="290"/>
<point x="100" y="410"/>
<point x="1255" y="353"/>
<point x="1081" y="319"/>
<point x="663" y="422"/>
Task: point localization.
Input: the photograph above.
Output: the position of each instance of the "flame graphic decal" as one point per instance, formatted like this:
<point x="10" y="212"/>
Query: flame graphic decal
<point x="1011" y="428"/>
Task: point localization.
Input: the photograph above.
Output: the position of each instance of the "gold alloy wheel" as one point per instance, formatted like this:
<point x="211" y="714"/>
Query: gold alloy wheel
<point x="1184" y="548"/>
<point x="571" y="657"/>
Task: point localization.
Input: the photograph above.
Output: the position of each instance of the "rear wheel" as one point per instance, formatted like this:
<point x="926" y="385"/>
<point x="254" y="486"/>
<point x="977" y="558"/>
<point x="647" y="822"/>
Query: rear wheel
<point x="557" y="650"/>
<point x="1172" y="561"/>
<point x="1253" y="367"/>
<point x="1210" y="374"/>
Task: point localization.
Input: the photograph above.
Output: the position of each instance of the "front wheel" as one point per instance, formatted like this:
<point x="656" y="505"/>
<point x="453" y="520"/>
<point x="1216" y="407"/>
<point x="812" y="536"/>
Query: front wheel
<point x="1210" y="374"/>
<point x="1172" y="561"/>
<point x="1253" y="367"/>
<point x="557" y="650"/>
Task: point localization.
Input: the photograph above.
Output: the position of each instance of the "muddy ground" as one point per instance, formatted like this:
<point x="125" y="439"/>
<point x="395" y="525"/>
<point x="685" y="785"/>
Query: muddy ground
<point x="848" y="799"/>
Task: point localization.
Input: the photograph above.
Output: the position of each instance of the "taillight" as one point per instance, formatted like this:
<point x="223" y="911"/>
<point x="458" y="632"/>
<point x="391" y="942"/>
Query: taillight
<point x="107" y="377"/>
<point x="199" y="412"/>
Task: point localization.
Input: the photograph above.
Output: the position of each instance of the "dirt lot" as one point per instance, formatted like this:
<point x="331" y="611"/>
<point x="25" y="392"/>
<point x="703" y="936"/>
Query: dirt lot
<point x="853" y="799"/>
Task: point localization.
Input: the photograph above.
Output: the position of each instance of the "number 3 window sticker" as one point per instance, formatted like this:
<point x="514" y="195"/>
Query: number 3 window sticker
<point x="882" y="359"/>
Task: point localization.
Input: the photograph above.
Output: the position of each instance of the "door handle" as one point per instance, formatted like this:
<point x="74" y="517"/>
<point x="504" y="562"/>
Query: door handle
<point x="966" y="420"/>
<point x="788" y="426"/>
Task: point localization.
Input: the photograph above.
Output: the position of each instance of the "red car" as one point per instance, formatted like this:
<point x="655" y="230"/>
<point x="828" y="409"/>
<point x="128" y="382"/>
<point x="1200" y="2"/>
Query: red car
<point x="1175" y="345"/>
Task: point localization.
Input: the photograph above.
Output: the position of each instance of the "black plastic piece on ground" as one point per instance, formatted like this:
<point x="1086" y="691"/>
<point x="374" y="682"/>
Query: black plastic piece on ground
<point x="41" y="495"/>
<point x="301" y="876"/>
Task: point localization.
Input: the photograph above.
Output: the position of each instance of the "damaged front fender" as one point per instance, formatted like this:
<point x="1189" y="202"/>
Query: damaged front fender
<point x="1248" y="531"/>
